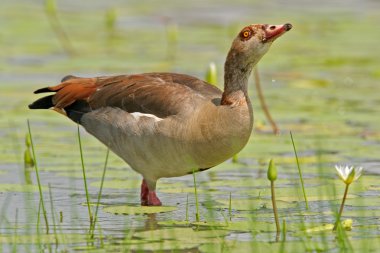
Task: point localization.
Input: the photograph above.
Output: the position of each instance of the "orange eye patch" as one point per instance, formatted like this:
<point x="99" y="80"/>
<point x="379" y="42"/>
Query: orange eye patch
<point x="246" y="34"/>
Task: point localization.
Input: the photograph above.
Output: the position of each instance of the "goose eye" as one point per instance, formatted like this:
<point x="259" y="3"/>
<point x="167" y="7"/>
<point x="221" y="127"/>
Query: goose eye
<point x="246" y="34"/>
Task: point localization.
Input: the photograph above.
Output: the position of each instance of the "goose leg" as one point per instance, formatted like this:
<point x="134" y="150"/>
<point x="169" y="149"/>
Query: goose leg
<point x="153" y="200"/>
<point x="144" y="193"/>
<point x="148" y="194"/>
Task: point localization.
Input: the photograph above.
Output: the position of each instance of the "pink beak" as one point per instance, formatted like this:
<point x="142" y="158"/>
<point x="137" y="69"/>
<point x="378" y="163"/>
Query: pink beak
<point x="272" y="32"/>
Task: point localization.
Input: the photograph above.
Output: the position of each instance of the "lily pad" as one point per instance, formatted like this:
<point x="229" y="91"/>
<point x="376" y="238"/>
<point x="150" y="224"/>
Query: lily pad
<point x="181" y="190"/>
<point x="20" y="188"/>
<point x="313" y="198"/>
<point x="371" y="213"/>
<point x="45" y="238"/>
<point x="162" y="246"/>
<point x="174" y="223"/>
<point x="132" y="210"/>
<point x="95" y="174"/>
<point x="254" y="204"/>
<point x="364" y="202"/>
<point x="118" y="184"/>
<point x="181" y="234"/>
<point x="243" y="182"/>
<point x="255" y="246"/>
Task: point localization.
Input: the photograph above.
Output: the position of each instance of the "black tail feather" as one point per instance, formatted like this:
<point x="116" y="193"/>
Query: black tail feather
<point x="42" y="103"/>
<point x="42" y="90"/>
<point x="76" y="110"/>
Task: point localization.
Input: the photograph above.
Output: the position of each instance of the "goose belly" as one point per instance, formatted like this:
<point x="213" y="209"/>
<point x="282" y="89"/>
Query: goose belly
<point x="160" y="156"/>
<point x="165" y="148"/>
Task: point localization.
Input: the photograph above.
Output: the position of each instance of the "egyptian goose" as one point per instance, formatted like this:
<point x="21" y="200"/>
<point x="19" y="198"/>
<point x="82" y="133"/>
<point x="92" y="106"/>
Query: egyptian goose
<point x="168" y="124"/>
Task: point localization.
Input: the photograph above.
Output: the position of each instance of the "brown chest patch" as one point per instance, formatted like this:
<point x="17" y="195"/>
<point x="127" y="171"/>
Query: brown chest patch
<point x="233" y="99"/>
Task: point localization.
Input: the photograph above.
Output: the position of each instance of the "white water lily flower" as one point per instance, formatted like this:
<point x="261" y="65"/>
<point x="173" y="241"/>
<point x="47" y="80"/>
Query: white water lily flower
<point x="349" y="174"/>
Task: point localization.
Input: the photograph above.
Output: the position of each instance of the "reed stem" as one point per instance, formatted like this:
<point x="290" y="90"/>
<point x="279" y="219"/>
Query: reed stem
<point x="283" y="230"/>
<point x="84" y="177"/>
<point x="262" y="101"/>
<point x="341" y="207"/>
<point x="196" y="198"/>
<point x="187" y="208"/>
<point x="230" y="207"/>
<point x="299" y="172"/>
<point x="278" y="229"/>
<point x="53" y="215"/>
<point x="38" y="179"/>
<point x="92" y="227"/>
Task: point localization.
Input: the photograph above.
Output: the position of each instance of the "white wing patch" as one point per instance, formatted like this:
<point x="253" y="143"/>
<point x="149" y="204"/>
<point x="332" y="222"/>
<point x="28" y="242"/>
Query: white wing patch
<point x="138" y="115"/>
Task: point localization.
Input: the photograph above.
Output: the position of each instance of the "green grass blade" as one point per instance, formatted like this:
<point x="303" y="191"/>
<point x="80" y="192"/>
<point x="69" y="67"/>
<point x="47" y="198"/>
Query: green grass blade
<point x="230" y="207"/>
<point x="92" y="229"/>
<point x="187" y="208"/>
<point x="14" y="248"/>
<point x="53" y="215"/>
<point x="84" y="177"/>
<point x="196" y="199"/>
<point x="299" y="172"/>
<point x="38" y="179"/>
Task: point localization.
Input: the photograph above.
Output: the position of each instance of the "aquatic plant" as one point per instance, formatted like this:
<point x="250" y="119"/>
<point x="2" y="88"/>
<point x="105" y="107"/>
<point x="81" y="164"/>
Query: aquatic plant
<point x="38" y="180"/>
<point x="272" y="176"/>
<point x="299" y="171"/>
<point x="196" y="198"/>
<point x="211" y="74"/>
<point x="92" y="226"/>
<point x="84" y="178"/>
<point x="28" y="158"/>
<point x="348" y="175"/>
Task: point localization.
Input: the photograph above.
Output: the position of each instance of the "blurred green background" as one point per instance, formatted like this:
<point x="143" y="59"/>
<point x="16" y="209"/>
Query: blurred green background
<point x="321" y="78"/>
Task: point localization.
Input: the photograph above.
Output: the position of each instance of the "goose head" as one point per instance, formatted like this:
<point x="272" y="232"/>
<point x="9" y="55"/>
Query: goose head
<point x="253" y="41"/>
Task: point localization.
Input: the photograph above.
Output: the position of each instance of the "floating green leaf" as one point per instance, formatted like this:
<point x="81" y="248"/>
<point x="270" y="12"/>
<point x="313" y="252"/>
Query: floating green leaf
<point x="131" y="210"/>
<point x="44" y="238"/>
<point x="20" y="188"/>
<point x="181" y="234"/>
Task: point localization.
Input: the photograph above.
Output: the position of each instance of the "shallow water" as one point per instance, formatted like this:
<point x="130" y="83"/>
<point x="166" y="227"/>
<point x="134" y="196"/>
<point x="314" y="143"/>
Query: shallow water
<point x="320" y="80"/>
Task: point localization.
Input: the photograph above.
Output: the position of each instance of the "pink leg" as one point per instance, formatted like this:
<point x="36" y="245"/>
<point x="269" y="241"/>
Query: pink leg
<point x="144" y="193"/>
<point x="149" y="197"/>
<point x="153" y="200"/>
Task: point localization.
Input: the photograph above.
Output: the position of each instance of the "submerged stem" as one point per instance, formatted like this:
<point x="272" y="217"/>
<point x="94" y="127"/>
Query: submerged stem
<point x="341" y="207"/>
<point x="275" y="207"/>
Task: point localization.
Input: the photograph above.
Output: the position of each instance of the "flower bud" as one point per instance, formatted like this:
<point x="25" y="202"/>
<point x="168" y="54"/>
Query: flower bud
<point x="350" y="177"/>
<point x="28" y="141"/>
<point x="272" y="171"/>
<point x="211" y="75"/>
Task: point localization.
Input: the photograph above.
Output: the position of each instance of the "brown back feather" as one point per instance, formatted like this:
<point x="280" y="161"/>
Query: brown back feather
<point x="161" y="94"/>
